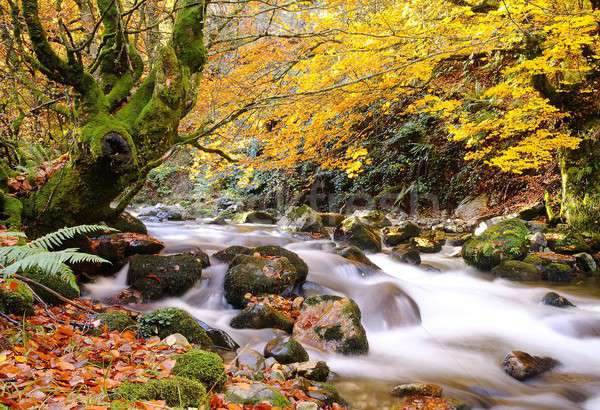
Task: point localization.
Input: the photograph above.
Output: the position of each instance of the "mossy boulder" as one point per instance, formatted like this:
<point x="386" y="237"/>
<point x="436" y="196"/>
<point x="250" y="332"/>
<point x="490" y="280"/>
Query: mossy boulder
<point x="354" y="254"/>
<point x="405" y="230"/>
<point x="168" y="321"/>
<point x="292" y="257"/>
<point x="406" y="254"/>
<point x="312" y="370"/>
<point x="331" y="323"/>
<point x="555" y="267"/>
<point x="16" y="298"/>
<point x="228" y="254"/>
<point x="566" y="240"/>
<point x="559" y="273"/>
<point x="373" y="218"/>
<point x="332" y="219"/>
<point x="205" y="367"/>
<point x="128" y="223"/>
<point x="254" y="217"/>
<point x="175" y="391"/>
<point x="517" y="270"/>
<point x="427" y="244"/>
<point x="301" y="219"/>
<point x="256" y="393"/>
<point x="65" y="285"/>
<point x="506" y="240"/>
<point x="285" y="350"/>
<point x="262" y="316"/>
<point x="258" y="276"/>
<point x="113" y="321"/>
<point x="159" y="276"/>
<point x="355" y="232"/>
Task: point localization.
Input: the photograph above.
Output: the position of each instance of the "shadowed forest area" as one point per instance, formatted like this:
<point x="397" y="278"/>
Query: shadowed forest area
<point x="300" y="204"/>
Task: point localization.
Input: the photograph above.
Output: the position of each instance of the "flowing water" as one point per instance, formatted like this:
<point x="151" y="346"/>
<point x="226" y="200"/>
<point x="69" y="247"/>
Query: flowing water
<point x="451" y="327"/>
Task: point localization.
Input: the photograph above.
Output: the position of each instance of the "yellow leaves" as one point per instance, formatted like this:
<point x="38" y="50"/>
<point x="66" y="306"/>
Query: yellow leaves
<point x="356" y="158"/>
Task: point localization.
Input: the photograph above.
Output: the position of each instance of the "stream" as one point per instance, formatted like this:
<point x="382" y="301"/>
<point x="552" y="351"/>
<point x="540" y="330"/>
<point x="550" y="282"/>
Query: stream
<point x="468" y="322"/>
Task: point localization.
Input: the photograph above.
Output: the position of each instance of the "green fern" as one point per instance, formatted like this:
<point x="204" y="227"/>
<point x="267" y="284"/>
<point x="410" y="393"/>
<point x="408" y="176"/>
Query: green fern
<point x="39" y="253"/>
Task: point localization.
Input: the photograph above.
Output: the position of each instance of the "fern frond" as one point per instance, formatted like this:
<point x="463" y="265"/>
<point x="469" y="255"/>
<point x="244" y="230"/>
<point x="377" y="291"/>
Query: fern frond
<point x="51" y="263"/>
<point x="57" y="238"/>
<point x="11" y="254"/>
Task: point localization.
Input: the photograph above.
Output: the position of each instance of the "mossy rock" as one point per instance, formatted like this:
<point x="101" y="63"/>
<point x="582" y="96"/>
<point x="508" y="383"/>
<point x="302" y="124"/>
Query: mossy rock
<point x="205" y="367"/>
<point x="352" y="253"/>
<point x="517" y="270"/>
<point x="113" y="321"/>
<point x="16" y="298"/>
<point x="555" y="267"/>
<point x="426" y="245"/>
<point x="301" y="219"/>
<point x="158" y="276"/>
<point x="175" y="391"/>
<point x="168" y="321"/>
<point x="128" y="223"/>
<point x="406" y="254"/>
<point x="325" y="393"/>
<point x="566" y="241"/>
<point x="332" y="324"/>
<point x="262" y="316"/>
<point x="357" y="233"/>
<point x="254" y="394"/>
<point x="254" y="217"/>
<point x="228" y="254"/>
<point x="395" y="235"/>
<point x="285" y="350"/>
<point x="292" y="257"/>
<point x="508" y="240"/>
<point x="63" y="284"/>
<point x="375" y="219"/>
<point x="258" y="276"/>
<point x="559" y="273"/>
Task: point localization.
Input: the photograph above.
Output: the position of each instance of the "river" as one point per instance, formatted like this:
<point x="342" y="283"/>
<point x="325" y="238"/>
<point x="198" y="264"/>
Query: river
<point x="468" y="322"/>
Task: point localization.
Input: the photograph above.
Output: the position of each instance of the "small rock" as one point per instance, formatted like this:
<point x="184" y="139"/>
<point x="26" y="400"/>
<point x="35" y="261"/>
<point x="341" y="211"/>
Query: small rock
<point x="312" y="370"/>
<point x="402" y="232"/>
<point x="355" y="232"/>
<point x="354" y="254"/>
<point x="426" y="245"/>
<point x="176" y="339"/>
<point x="406" y="254"/>
<point x="285" y="350"/>
<point x="419" y="389"/>
<point x="556" y="300"/>
<point x="523" y="366"/>
<point x="250" y="359"/>
<point x="262" y="316"/>
<point x="306" y="405"/>
<point x="301" y="219"/>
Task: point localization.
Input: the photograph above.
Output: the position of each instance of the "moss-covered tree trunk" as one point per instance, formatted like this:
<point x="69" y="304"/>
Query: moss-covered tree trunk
<point x="126" y="121"/>
<point x="581" y="184"/>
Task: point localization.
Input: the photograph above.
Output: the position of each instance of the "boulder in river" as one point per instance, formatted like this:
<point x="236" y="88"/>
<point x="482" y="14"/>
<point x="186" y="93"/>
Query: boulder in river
<point x="292" y="257"/>
<point x="427" y="244"/>
<point x="257" y="276"/>
<point x="406" y="254"/>
<point x="555" y="267"/>
<point x="508" y="239"/>
<point x="301" y="219"/>
<point x="262" y="316"/>
<point x="517" y="270"/>
<point x="354" y="254"/>
<point x="285" y="350"/>
<point x="357" y="233"/>
<point x="523" y="366"/>
<point x="585" y="262"/>
<point x="254" y="217"/>
<point x="373" y="218"/>
<point x="556" y="300"/>
<point x="228" y="254"/>
<point x="397" y="234"/>
<point x="128" y="223"/>
<point x="159" y="276"/>
<point x="331" y="323"/>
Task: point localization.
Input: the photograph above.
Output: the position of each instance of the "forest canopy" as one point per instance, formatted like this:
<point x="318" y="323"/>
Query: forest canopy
<point x="116" y="87"/>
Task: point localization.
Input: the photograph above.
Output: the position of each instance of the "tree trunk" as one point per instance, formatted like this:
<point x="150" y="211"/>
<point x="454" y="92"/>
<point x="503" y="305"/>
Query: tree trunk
<point x="122" y="133"/>
<point x="581" y="184"/>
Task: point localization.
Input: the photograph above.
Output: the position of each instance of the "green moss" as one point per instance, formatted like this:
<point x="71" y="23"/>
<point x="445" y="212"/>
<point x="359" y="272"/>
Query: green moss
<point x="566" y="241"/>
<point x="206" y="367"/>
<point x="12" y="209"/>
<point x="254" y="394"/>
<point x="65" y="285"/>
<point x="168" y="321"/>
<point x="114" y="321"/>
<point x="517" y="270"/>
<point x="188" y="39"/>
<point x="332" y="333"/>
<point x="506" y="240"/>
<point x="175" y="391"/>
<point x="16" y="298"/>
